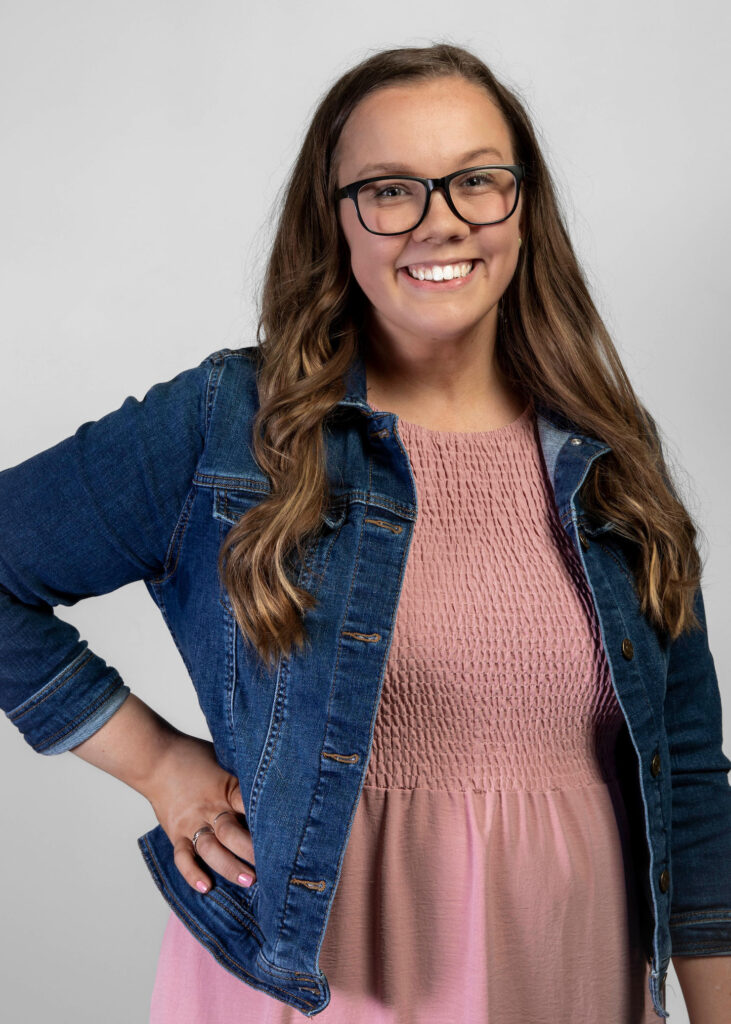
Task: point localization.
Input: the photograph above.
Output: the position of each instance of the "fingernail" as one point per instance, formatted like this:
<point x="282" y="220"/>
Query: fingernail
<point x="246" y="879"/>
<point x="201" y="886"/>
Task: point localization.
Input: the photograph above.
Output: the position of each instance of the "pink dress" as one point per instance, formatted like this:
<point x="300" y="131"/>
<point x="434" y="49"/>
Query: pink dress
<point x="483" y="881"/>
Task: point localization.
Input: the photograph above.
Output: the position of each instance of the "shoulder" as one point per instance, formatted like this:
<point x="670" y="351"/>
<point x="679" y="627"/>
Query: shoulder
<point x="231" y="376"/>
<point x="186" y="404"/>
<point x="235" y="371"/>
<point x="231" y="404"/>
<point x="234" y="362"/>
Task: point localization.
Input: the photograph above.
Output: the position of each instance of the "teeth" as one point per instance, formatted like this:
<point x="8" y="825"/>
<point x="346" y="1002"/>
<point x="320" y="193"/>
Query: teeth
<point x="436" y="273"/>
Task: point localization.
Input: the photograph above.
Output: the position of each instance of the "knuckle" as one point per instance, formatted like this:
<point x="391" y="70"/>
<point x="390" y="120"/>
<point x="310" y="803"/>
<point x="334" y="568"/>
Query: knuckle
<point x="204" y="839"/>
<point x="228" y="820"/>
<point x="223" y="825"/>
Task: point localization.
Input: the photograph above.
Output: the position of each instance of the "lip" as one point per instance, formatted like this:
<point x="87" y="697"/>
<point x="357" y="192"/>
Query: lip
<point x="442" y="286"/>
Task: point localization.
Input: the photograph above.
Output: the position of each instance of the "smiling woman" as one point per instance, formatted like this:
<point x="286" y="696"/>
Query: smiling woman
<point x="439" y="598"/>
<point x="521" y="778"/>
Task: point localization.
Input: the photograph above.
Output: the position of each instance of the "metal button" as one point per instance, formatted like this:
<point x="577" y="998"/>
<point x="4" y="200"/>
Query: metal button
<point x="627" y="648"/>
<point x="575" y="440"/>
<point x="665" y="881"/>
<point x="655" y="765"/>
<point x="583" y="539"/>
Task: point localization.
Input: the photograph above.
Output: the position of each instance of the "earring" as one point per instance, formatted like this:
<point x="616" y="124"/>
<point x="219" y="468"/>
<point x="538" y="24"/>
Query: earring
<point x="520" y="242"/>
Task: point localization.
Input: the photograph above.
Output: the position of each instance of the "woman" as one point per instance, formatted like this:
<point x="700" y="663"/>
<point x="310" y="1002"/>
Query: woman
<point x="422" y="556"/>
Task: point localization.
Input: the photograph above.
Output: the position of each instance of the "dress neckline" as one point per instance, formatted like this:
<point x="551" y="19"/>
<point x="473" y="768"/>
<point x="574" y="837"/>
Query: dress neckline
<point x="417" y="429"/>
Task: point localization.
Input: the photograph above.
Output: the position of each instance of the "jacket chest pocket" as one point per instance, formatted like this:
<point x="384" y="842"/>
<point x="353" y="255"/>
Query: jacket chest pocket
<point x="307" y="570"/>
<point x="229" y="506"/>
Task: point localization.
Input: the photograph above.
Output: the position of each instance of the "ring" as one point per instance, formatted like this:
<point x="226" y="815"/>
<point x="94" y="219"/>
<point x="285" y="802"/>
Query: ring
<point x="205" y="828"/>
<point x="219" y="815"/>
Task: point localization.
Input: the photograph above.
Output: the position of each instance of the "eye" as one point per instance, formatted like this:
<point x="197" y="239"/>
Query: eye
<point x="381" y="193"/>
<point x="483" y="178"/>
<point x="388" y="189"/>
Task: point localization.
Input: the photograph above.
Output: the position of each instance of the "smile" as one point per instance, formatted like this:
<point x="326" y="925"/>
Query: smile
<point x="458" y="280"/>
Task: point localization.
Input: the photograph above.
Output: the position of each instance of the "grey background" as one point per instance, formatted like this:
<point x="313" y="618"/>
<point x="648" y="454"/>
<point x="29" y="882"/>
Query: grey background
<point x="142" y="146"/>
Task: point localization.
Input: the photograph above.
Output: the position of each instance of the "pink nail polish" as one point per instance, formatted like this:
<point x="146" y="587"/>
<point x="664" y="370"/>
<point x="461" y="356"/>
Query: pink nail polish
<point x="201" y="886"/>
<point x="246" y="879"/>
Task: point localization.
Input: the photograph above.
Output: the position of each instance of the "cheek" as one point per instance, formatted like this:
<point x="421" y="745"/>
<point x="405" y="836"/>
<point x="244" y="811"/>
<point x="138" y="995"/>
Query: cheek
<point x="373" y="268"/>
<point x="493" y="241"/>
<point x="373" y="258"/>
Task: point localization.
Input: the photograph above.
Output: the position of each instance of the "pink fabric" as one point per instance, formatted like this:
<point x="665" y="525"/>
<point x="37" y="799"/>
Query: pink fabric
<point x="484" y="878"/>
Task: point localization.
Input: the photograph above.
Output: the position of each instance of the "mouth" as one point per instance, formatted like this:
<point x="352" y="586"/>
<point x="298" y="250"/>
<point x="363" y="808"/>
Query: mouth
<point x="444" y="285"/>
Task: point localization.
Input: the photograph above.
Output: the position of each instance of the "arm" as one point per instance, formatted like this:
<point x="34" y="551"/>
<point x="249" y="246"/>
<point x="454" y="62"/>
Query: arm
<point x="700" y="913"/>
<point x="706" y="985"/>
<point x="131" y="745"/>
<point x="85" y="517"/>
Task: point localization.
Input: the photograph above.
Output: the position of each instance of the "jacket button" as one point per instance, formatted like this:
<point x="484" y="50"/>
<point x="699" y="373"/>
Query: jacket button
<point x="575" y="440"/>
<point x="627" y="648"/>
<point x="655" y="765"/>
<point x="665" y="881"/>
<point x="584" y="541"/>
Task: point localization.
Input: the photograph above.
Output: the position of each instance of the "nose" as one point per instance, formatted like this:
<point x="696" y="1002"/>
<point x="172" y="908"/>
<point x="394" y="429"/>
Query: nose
<point x="439" y="219"/>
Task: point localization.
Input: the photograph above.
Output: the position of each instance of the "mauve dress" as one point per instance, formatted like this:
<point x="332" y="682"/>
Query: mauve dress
<point x="484" y="878"/>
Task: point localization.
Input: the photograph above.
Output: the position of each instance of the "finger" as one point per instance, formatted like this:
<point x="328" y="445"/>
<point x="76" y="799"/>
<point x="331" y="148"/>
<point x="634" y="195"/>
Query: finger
<point x="223" y="861"/>
<point x="232" y="832"/>
<point x="188" y="866"/>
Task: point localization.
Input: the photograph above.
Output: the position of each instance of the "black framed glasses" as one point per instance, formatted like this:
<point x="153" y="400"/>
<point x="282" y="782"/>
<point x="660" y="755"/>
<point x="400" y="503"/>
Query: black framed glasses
<point x="395" y="204"/>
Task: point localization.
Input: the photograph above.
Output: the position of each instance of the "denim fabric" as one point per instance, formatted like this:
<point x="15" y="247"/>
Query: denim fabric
<point x="149" y="491"/>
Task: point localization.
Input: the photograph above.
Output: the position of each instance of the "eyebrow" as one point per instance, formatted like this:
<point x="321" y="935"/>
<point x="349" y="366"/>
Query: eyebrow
<point x="396" y="168"/>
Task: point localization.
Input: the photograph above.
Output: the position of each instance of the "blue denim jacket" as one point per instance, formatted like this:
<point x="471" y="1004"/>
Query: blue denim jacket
<point x="149" y="491"/>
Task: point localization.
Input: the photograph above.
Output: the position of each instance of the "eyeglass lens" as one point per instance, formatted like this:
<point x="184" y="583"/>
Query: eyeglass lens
<point x="392" y="205"/>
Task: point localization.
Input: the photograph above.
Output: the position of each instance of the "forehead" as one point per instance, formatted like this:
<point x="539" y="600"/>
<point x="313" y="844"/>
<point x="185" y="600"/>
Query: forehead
<point x="428" y="123"/>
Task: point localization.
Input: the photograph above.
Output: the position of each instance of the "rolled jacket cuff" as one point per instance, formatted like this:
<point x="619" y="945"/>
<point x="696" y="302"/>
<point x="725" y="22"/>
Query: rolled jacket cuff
<point x="701" y="933"/>
<point x="72" y="706"/>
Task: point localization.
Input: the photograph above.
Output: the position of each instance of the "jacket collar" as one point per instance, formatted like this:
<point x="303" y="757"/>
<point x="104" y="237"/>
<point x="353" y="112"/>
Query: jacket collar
<point x="568" y="452"/>
<point x="553" y="427"/>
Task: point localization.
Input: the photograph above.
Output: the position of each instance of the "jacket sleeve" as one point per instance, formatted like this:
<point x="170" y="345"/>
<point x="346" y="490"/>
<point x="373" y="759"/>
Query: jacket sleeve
<point x="85" y="517"/>
<point x="700" y="919"/>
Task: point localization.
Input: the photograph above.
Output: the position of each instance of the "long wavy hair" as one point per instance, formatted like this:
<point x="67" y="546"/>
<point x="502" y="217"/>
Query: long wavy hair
<point x="551" y="344"/>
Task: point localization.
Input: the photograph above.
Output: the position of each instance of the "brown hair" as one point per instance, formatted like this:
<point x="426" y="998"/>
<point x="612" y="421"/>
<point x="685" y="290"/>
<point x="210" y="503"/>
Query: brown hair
<point x="551" y="344"/>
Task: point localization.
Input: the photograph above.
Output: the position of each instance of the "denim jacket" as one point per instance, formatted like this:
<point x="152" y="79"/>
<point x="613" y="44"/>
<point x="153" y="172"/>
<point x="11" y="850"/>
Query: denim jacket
<point x="149" y="491"/>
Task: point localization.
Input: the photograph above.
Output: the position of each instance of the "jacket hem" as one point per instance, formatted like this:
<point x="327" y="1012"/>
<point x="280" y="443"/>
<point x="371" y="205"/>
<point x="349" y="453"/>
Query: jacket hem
<point x="221" y="924"/>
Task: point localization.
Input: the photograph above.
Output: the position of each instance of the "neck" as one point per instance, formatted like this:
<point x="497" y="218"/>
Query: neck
<point x="441" y="387"/>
